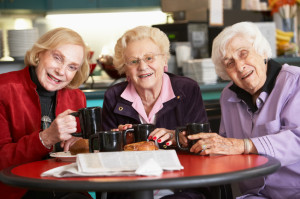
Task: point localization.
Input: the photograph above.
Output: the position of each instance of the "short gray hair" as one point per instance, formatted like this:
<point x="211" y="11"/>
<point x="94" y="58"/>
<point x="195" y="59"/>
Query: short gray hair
<point x="139" y="33"/>
<point x="247" y="29"/>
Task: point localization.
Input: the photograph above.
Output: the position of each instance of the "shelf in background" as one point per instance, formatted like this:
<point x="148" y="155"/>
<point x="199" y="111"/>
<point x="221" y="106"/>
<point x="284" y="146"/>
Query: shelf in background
<point x="295" y="61"/>
<point x="210" y="93"/>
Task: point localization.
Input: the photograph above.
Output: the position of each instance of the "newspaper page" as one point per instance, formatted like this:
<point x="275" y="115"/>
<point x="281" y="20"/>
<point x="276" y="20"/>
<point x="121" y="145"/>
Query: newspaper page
<point x="126" y="161"/>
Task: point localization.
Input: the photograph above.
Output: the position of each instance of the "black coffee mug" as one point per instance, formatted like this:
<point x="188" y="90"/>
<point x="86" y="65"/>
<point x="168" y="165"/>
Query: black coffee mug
<point x="140" y="132"/>
<point x="90" y="121"/>
<point x="191" y="129"/>
<point x="107" y="141"/>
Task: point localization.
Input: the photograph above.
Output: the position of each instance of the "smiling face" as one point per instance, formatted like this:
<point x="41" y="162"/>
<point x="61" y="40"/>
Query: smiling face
<point x="144" y="75"/>
<point x="244" y="66"/>
<point x="57" y="67"/>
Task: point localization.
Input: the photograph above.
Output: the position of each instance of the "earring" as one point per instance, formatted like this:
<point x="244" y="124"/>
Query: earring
<point x="265" y="61"/>
<point x="37" y="61"/>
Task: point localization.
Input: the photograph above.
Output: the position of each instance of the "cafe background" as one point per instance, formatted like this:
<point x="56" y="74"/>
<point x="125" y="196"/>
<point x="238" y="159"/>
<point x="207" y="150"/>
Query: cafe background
<point x="191" y="26"/>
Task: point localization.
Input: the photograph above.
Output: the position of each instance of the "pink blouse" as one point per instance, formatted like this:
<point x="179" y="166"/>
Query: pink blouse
<point x="166" y="94"/>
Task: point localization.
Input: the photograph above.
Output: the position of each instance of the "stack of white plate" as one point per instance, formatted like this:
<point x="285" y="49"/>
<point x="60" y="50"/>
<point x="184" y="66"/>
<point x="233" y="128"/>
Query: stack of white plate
<point x="19" y="41"/>
<point x="200" y="70"/>
<point x="1" y="44"/>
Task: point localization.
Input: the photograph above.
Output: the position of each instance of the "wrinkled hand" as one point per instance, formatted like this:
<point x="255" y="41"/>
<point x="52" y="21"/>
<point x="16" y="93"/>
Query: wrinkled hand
<point x="162" y="135"/>
<point x="212" y="143"/>
<point x="66" y="144"/>
<point x="60" y="129"/>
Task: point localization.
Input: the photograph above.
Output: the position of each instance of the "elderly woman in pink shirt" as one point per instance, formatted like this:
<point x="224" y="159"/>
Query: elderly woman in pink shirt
<point x="150" y="94"/>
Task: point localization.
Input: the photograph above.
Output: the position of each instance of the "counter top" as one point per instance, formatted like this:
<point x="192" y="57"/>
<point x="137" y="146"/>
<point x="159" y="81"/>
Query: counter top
<point x="209" y="91"/>
<point x="295" y="61"/>
<point x="213" y="87"/>
<point x="7" y="66"/>
<point x="3" y="63"/>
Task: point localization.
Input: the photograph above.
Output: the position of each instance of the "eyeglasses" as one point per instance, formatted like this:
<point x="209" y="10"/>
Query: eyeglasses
<point x="148" y="58"/>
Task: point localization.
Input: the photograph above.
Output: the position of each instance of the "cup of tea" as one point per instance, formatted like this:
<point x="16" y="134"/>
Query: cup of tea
<point x="90" y="121"/>
<point x="191" y="129"/>
<point x="107" y="141"/>
<point x="140" y="132"/>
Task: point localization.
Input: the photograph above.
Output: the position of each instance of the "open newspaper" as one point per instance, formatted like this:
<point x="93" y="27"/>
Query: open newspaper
<point x="119" y="163"/>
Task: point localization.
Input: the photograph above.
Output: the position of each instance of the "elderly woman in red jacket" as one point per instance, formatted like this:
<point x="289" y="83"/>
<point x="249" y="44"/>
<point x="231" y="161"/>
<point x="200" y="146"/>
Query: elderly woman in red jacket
<point x="35" y="102"/>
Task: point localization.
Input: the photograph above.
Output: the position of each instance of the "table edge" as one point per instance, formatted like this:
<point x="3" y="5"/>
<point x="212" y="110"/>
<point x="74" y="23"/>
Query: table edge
<point x="128" y="185"/>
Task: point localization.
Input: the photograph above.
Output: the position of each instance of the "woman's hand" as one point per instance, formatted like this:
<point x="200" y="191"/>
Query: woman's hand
<point x="66" y="144"/>
<point x="122" y="127"/>
<point x="162" y="135"/>
<point x="60" y="129"/>
<point x="212" y="143"/>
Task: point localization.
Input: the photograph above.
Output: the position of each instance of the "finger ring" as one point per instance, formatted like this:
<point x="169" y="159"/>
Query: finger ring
<point x="203" y="147"/>
<point x="171" y="136"/>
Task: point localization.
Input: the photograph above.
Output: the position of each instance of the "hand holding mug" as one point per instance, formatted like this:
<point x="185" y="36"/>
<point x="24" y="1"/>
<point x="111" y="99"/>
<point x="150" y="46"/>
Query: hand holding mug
<point x="161" y="135"/>
<point x="61" y="129"/>
<point x="190" y="129"/>
<point x="140" y="132"/>
<point x="213" y="143"/>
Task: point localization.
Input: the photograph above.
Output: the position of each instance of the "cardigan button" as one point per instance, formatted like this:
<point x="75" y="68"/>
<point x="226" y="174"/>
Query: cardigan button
<point x="178" y="97"/>
<point x="121" y="108"/>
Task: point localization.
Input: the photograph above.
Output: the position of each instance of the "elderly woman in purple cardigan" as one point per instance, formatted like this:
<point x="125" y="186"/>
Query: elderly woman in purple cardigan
<point x="260" y="109"/>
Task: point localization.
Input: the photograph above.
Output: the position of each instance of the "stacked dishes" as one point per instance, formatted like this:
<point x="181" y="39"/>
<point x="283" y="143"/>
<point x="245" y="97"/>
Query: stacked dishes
<point x="19" y="41"/>
<point x="1" y="44"/>
<point x="200" y="70"/>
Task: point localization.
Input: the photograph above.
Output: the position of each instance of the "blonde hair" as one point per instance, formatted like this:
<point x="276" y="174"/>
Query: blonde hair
<point x="51" y="40"/>
<point x="246" y="29"/>
<point x="141" y="32"/>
